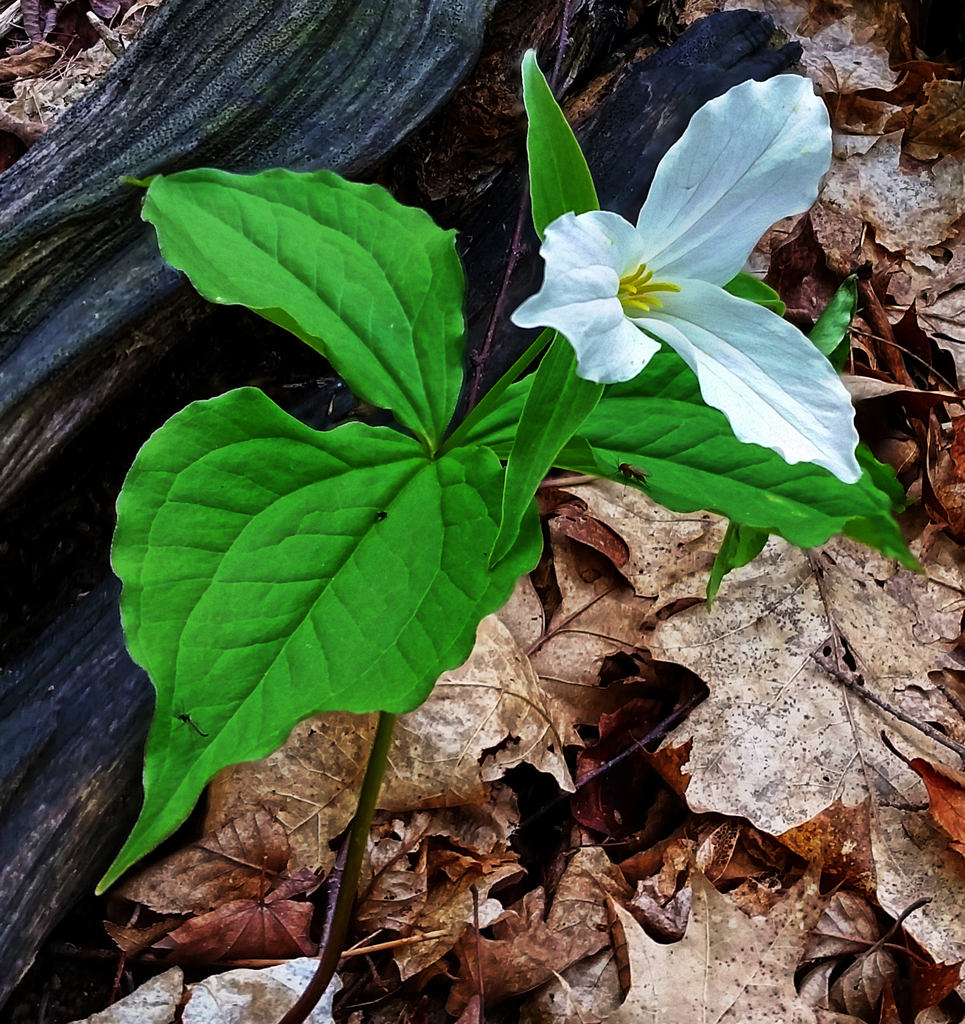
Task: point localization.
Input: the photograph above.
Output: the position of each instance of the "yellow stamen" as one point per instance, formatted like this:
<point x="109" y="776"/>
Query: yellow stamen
<point x="636" y="289"/>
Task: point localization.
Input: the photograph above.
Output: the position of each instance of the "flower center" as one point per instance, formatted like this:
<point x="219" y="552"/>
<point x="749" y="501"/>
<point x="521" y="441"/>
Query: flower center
<point x="636" y="289"/>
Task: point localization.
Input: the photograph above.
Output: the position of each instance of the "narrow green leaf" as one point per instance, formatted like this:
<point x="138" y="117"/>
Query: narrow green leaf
<point x="493" y="399"/>
<point x="374" y="286"/>
<point x="830" y="334"/>
<point x="557" y="404"/>
<point x="559" y="179"/>
<point x="741" y="544"/>
<point x="497" y="428"/>
<point x="272" y="572"/>
<point x="745" y="286"/>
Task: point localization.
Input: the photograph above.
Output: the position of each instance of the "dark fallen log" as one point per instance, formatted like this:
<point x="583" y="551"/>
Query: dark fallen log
<point x="74" y="709"/>
<point x="301" y="84"/>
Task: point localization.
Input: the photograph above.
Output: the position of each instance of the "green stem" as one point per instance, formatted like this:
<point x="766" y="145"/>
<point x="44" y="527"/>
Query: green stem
<point x="488" y="402"/>
<point x="358" y="839"/>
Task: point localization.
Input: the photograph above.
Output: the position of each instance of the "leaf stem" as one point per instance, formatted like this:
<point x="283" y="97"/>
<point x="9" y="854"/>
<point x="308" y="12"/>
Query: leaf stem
<point x="488" y="402"/>
<point x="334" y="939"/>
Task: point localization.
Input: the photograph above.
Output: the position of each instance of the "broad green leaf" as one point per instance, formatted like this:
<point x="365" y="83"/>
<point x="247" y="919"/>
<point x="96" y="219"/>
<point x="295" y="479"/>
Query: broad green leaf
<point x="830" y="334"/>
<point x="741" y="544"/>
<point x="659" y="422"/>
<point x="272" y="572"/>
<point x="559" y="179"/>
<point x="374" y="286"/>
<point x="745" y="286"/>
<point x="557" y="404"/>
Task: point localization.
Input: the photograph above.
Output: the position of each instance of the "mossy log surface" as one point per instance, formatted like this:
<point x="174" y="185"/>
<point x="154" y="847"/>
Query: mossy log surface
<point x="74" y="709"/>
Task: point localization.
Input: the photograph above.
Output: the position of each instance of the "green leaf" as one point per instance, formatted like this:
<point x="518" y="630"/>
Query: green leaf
<point x="272" y="572"/>
<point x="741" y="544"/>
<point x="559" y="179"/>
<point x="659" y="421"/>
<point x="744" y="286"/>
<point x="830" y="334"/>
<point x="557" y="404"/>
<point x="497" y="428"/>
<point x="374" y="286"/>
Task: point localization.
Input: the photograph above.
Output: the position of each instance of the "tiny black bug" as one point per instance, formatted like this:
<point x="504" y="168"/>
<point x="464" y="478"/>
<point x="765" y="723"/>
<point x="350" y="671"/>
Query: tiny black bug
<point x="633" y="472"/>
<point x="188" y="720"/>
<point x="379" y="516"/>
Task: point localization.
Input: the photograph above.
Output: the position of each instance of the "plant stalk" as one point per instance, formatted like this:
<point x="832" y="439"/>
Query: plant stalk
<point x="489" y="401"/>
<point x="334" y="938"/>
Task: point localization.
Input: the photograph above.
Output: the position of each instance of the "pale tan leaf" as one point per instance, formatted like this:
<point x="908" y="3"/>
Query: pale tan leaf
<point x="155" y="1002"/>
<point x="728" y="967"/>
<point x="779" y="739"/>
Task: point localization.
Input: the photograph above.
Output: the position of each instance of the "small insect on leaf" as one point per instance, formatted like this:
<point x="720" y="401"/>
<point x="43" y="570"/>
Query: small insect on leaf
<point x="633" y="472"/>
<point x="379" y="516"/>
<point x="188" y="720"/>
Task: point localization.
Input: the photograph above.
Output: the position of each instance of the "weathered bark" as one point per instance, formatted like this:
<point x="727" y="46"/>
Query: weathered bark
<point x="74" y="709"/>
<point x="302" y="84"/>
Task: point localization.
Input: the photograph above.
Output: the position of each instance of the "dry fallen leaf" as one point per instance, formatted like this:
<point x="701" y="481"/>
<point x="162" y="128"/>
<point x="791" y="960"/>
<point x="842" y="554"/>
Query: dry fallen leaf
<point x="728" y="967"/>
<point x="275" y="927"/>
<point x="946" y="798"/>
<point x="480" y="721"/>
<point x="779" y="739"/>
<point x="155" y="1002"/>
<point x="416" y="882"/>
<point x="531" y="946"/>
<point x="230" y="865"/>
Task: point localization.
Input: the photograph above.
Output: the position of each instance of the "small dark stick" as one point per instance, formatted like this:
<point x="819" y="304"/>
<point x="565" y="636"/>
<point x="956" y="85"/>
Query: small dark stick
<point x="188" y="720"/>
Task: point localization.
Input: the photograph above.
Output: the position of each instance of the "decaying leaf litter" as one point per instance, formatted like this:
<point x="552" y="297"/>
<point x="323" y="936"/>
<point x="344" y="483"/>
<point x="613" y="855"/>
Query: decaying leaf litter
<point x="779" y="831"/>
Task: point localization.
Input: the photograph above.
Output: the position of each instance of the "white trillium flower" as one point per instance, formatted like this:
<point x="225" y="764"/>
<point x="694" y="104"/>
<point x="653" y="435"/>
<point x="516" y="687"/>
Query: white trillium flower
<point x="747" y="159"/>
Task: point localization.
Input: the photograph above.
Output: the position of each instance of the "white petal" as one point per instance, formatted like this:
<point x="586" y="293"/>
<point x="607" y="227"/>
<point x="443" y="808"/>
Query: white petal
<point x="747" y="159"/>
<point x="619" y="354"/>
<point x="597" y="238"/>
<point x="771" y="383"/>
<point x="582" y="305"/>
<point x="588" y="294"/>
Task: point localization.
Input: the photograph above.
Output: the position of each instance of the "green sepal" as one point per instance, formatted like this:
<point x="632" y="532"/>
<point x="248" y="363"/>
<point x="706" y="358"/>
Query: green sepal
<point x="741" y="544"/>
<point x="559" y="178"/>
<point x="557" y="403"/>
<point x="744" y="286"/>
<point x="831" y="333"/>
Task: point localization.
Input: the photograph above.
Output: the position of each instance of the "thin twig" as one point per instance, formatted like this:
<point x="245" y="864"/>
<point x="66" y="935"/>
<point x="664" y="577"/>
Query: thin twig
<point x="481" y="986"/>
<point x="545" y="637"/>
<point x="113" y="42"/>
<point x="858" y="687"/>
<point x="515" y="248"/>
